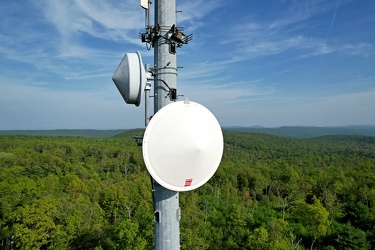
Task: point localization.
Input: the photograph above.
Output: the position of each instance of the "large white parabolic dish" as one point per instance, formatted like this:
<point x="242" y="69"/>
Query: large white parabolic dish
<point x="182" y="146"/>
<point x="129" y="78"/>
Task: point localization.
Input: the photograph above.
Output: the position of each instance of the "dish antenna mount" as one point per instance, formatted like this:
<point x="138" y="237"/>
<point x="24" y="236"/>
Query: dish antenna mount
<point x="182" y="146"/>
<point x="130" y="78"/>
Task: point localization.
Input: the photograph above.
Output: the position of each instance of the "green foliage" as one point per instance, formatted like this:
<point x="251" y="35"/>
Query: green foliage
<point x="345" y="236"/>
<point x="311" y="219"/>
<point x="269" y="193"/>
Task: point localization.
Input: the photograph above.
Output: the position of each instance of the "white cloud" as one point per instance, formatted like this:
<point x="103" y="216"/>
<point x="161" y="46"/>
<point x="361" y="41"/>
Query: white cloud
<point x="194" y="14"/>
<point x="199" y="9"/>
<point x="253" y="37"/>
<point x="101" y="19"/>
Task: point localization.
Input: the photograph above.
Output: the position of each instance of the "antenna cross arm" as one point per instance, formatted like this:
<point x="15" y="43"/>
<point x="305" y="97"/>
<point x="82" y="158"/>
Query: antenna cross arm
<point x="179" y="37"/>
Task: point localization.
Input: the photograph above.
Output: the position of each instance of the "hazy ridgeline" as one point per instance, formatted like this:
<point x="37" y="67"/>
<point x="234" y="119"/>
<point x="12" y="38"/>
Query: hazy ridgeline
<point x="270" y="192"/>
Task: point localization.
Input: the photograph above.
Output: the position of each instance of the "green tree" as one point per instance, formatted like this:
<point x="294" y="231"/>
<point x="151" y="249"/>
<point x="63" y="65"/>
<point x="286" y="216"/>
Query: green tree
<point x="348" y="237"/>
<point x="313" y="219"/>
<point x="259" y="240"/>
<point x="34" y="225"/>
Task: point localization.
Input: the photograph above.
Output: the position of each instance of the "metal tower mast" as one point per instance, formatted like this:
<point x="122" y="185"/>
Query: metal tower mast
<point x="166" y="202"/>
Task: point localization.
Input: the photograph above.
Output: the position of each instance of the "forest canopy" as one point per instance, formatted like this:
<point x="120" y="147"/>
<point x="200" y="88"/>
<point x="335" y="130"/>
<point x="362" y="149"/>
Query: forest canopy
<point x="270" y="192"/>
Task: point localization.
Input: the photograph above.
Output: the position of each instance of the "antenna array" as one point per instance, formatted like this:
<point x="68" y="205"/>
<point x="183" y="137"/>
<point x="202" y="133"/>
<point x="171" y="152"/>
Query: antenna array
<point x="183" y="143"/>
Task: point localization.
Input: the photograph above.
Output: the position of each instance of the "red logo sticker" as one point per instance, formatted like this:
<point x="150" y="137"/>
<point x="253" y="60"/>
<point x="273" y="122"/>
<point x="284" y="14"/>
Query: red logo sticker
<point x="188" y="182"/>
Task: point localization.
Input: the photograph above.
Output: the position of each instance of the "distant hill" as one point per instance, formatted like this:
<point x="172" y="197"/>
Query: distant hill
<point x="287" y="131"/>
<point x="307" y="132"/>
<point x="90" y="133"/>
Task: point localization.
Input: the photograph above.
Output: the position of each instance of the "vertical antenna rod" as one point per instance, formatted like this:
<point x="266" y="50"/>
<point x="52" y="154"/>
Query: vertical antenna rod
<point x="166" y="202"/>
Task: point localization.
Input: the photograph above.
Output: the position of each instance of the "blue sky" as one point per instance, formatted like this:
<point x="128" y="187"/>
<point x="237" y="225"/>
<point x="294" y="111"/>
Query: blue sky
<point x="268" y="63"/>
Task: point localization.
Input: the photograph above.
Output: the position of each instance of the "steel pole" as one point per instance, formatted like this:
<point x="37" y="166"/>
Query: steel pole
<point x="166" y="202"/>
